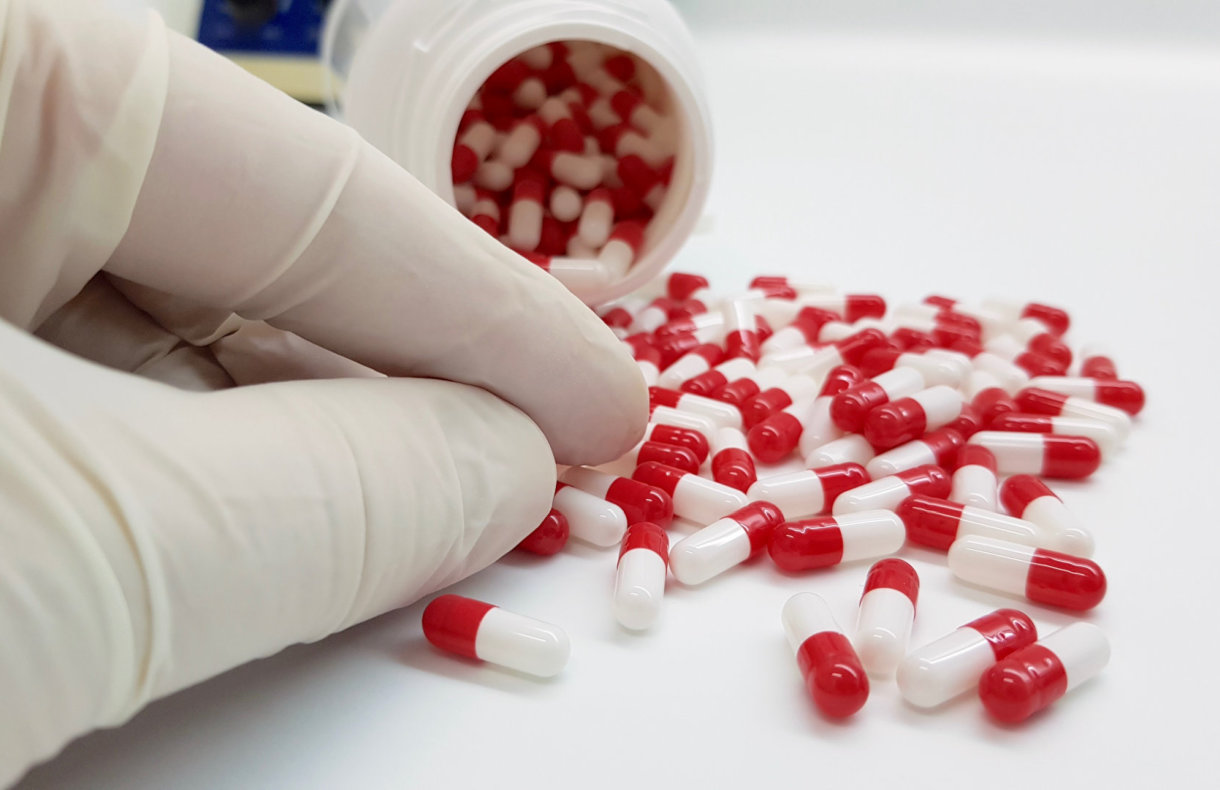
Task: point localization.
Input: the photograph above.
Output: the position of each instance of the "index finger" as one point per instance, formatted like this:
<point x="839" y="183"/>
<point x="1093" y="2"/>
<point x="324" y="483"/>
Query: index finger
<point x="257" y="204"/>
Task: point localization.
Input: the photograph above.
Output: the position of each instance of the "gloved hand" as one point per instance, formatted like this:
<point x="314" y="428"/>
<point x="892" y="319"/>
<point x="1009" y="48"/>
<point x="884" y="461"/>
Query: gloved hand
<point x="162" y="213"/>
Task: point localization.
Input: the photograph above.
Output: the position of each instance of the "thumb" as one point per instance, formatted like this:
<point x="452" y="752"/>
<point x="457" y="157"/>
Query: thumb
<point x="156" y="537"/>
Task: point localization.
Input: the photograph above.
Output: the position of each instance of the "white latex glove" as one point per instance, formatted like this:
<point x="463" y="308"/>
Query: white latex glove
<point x="163" y="213"/>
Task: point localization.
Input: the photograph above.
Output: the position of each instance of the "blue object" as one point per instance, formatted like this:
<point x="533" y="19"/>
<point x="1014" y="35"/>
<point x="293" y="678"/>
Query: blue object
<point x="286" y="27"/>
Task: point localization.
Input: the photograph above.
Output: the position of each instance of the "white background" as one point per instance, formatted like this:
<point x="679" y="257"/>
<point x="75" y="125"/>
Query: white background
<point x="1056" y="159"/>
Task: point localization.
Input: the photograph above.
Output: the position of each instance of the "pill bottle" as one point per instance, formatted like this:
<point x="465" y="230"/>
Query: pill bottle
<point x="403" y="72"/>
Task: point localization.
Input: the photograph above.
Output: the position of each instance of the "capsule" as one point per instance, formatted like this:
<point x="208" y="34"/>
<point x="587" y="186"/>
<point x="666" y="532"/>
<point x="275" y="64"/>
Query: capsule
<point x="937" y="523"/>
<point x="801" y="331"/>
<point x="1033" y="335"/>
<point x="818" y="362"/>
<point x="1035" y="676"/>
<point x="809" y="492"/>
<point x="681" y="286"/>
<point x="939" y="448"/>
<point x="649" y="361"/>
<point x="479" y="630"/>
<point x="635" y="500"/>
<point x="852" y="405"/>
<point x="988" y="398"/>
<point x="852" y="307"/>
<point x="694" y="497"/>
<point x="1011" y="377"/>
<point x="888" y="492"/>
<point x="1040" y="401"/>
<point x="1125" y="395"/>
<point x="652" y="315"/>
<point x="720" y="413"/>
<point x="974" y="480"/>
<point x="1098" y="366"/>
<point x="678" y="436"/>
<point x="725" y="543"/>
<point x="776" y="397"/>
<point x="1053" y="319"/>
<point x="639" y="583"/>
<point x="731" y="464"/>
<point x="967" y="423"/>
<point x="1041" y="575"/>
<point x="693" y="363"/>
<point x="850" y="449"/>
<point x="887" y="612"/>
<point x="743" y="389"/>
<point x="1028" y="498"/>
<point x="741" y="331"/>
<point x="1043" y="454"/>
<point x="952" y="665"/>
<point x="549" y="537"/>
<point x="1031" y="362"/>
<point x="778" y="434"/>
<point x="710" y="381"/>
<point x="670" y="454"/>
<point x="906" y="419"/>
<point x="937" y="366"/>
<point x="829" y="665"/>
<point x="807" y="544"/>
<point x="1103" y="434"/>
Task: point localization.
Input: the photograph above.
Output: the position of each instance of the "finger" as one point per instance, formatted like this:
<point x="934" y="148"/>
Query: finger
<point x="99" y="324"/>
<point x="157" y="537"/>
<point x="354" y="254"/>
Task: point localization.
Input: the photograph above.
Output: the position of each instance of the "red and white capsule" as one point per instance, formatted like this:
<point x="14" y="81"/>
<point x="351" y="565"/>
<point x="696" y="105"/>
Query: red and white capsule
<point x="590" y="518"/>
<point x="693" y="363"/>
<point x="1041" y="575"/>
<point x="479" y="630"/>
<point x="639" y="583"/>
<point x="850" y="449"/>
<point x="1097" y="365"/>
<point x="801" y="331"/>
<point x="1042" y="454"/>
<point x="722" y="414"/>
<point x="1034" y="677"/>
<point x="691" y="439"/>
<point x="833" y="675"/>
<point x="596" y="218"/>
<point x="772" y="439"/>
<point x="1028" y="498"/>
<point x="549" y="537"/>
<point x="1041" y="401"/>
<point x="732" y="465"/>
<point x="907" y="419"/>
<point x="952" y="665"/>
<point x="623" y="248"/>
<point x="669" y="454"/>
<point x="974" y="481"/>
<point x="888" y="492"/>
<point x="710" y="381"/>
<point x="1053" y="319"/>
<point x="724" y="543"/>
<point x="810" y="492"/>
<point x="937" y="523"/>
<point x="938" y="447"/>
<point x="636" y="500"/>
<point x="1104" y="434"/>
<point x="937" y="365"/>
<point x="825" y="541"/>
<point x="886" y="615"/>
<point x="850" y="407"/>
<point x="741" y="331"/>
<point x="695" y="498"/>
<point x="1125" y="395"/>
<point x="776" y="396"/>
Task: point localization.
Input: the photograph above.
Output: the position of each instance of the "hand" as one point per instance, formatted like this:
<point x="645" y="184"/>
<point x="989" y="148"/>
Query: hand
<point x="162" y="213"/>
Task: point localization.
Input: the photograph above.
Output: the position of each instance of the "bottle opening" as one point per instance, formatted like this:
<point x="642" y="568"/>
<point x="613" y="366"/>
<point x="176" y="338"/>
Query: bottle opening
<point x="567" y="153"/>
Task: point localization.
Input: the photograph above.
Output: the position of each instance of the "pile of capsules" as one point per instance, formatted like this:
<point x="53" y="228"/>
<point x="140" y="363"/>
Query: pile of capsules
<point x="934" y="424"/>
<point x="565" y="154"/>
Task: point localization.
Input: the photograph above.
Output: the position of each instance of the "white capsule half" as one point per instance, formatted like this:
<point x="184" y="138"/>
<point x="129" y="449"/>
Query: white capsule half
<point x="522" y="643"/>
<point x="850" y="449"/>
<point x="883" y="629"/>
<point x="590" y="518"/>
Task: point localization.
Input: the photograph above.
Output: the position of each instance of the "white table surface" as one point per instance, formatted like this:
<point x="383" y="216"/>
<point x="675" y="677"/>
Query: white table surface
<point x="1085" y="176"/>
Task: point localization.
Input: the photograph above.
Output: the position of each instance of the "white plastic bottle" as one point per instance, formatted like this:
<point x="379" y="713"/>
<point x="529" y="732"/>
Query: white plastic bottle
<point x="406" y="70"/>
